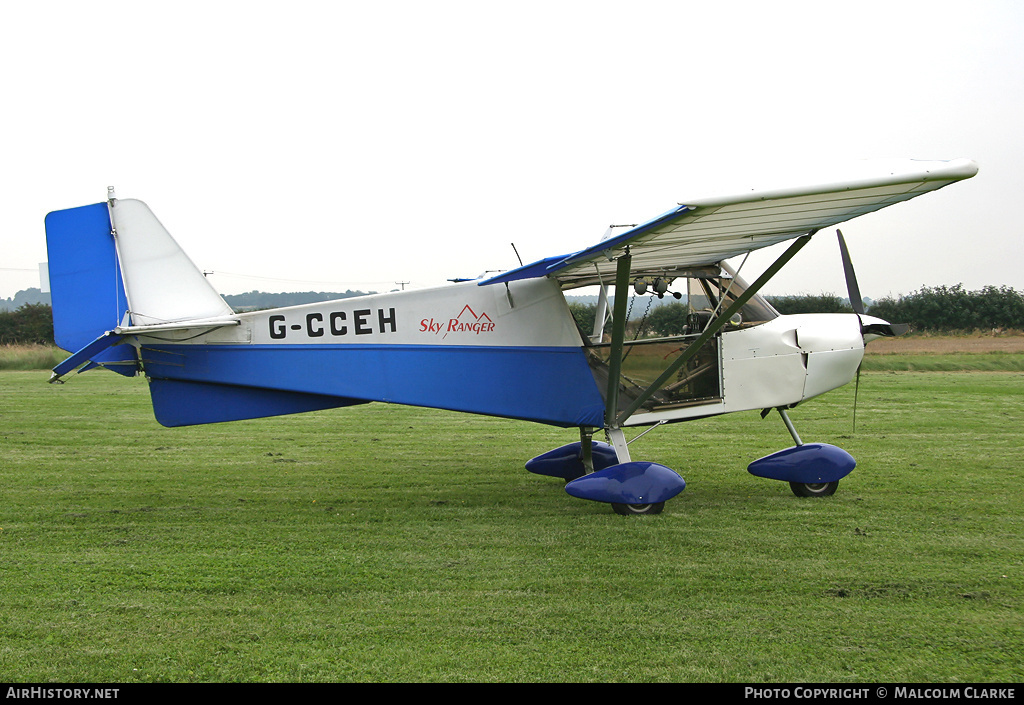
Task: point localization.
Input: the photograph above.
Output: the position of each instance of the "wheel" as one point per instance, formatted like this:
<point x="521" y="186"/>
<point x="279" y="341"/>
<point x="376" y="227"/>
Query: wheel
<point x="631" y="509"/>
<point x="814" y="489"/>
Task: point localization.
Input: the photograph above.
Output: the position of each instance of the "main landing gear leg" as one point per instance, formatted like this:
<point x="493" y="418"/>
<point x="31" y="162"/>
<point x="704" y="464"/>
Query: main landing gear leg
<point x="587" y="449"/>
<point x="618" y="440"/>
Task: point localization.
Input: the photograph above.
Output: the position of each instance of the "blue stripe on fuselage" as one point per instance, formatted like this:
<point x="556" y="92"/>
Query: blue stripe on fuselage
<point x="551" y="385"/>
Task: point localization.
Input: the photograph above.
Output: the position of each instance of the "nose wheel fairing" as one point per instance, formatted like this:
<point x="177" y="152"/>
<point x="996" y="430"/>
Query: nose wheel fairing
<point x="811" y="469"/>
<point x="810" y="463"/>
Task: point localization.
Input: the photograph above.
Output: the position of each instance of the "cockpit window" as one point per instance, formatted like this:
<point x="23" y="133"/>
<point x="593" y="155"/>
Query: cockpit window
<point x="653" y="340"/>
<point x="712" y="295"/>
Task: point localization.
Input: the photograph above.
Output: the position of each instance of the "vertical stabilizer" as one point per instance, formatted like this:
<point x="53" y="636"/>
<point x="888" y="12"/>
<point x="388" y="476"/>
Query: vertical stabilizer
<point x="162" y="284"/>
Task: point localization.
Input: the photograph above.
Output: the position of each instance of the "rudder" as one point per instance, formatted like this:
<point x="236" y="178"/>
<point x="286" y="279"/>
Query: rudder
<point x="86" y="287"/>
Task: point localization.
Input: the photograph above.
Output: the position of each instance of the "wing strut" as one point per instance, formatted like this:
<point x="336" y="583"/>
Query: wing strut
<point x="618" y="336"/>
<point x="600" y="315"/>
<point x="619" y="329"/>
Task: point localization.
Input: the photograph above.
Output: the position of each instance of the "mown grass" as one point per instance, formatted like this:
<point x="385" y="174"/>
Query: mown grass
<point x="382" y="543"/>
<point x="946" y="362"/>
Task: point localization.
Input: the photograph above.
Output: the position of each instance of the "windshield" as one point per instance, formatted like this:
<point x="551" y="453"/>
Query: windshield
<point x="712" y="295"/>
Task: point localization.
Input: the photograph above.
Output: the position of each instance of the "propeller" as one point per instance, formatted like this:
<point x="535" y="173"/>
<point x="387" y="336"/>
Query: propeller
<point x="874" y="327"/>
<point x="857" y="303"/>
<point x="869" y="326"/>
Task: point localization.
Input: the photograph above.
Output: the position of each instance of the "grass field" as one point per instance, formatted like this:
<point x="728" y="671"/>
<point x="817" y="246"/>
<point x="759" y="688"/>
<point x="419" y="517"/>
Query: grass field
<point x="947" y="353"/>
<point x="30" y="357"/>
<point x="382" y="543"/>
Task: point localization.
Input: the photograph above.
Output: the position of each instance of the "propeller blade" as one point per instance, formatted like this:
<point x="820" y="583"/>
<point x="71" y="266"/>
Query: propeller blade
<point x="851" y="277"/>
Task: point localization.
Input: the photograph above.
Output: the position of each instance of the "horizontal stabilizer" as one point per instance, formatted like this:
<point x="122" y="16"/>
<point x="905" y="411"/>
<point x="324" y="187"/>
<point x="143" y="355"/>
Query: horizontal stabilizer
<point x="210" y="324"/>
<point x="178" y="403"/>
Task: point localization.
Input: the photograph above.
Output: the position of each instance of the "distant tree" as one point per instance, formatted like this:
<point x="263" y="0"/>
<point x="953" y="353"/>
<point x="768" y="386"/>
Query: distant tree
<point x="25" y="296"/>
<point x="255" y="300"/>
<point x="584" y="314"/>
<point x="950" y="308"/>
<point x="806" y="303"/>
<point x="668" y="319"/>
<point x="29" y="324"/>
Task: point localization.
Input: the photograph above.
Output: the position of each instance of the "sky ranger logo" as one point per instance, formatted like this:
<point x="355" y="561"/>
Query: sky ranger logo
<point x="467" y="322"/>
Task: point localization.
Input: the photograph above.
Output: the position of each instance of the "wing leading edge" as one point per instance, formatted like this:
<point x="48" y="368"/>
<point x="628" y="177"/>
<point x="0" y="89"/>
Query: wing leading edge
<point x="705" y="231"/>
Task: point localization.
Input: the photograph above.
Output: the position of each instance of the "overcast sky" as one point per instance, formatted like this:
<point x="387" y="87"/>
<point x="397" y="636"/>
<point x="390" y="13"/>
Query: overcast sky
<point x="333" y="145"/>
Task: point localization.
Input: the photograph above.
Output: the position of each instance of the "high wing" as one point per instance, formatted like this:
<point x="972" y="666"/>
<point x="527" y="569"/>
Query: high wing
<point x="705" y="231"/>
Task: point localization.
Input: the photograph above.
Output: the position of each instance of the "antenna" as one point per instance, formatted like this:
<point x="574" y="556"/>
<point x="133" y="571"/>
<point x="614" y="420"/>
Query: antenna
<point x="517" y="253"/>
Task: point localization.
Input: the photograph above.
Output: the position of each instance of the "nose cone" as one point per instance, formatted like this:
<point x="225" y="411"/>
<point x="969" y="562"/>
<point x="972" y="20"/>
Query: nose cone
<point x="873" y="328"/>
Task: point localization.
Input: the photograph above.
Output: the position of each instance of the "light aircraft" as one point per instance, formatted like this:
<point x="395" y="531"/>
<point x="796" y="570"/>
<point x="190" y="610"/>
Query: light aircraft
<point x="128" y="299"/>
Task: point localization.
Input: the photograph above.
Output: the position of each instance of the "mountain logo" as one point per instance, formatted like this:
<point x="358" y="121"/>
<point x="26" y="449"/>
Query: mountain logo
<point x="468" y="322"/>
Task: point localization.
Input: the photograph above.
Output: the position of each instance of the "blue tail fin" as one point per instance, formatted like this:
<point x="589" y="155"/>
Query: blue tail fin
<point x="85" y="282"/>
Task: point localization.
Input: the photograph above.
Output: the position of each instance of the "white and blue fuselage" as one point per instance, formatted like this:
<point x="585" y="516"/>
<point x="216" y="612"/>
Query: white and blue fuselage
<point x="512" y="351"/>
